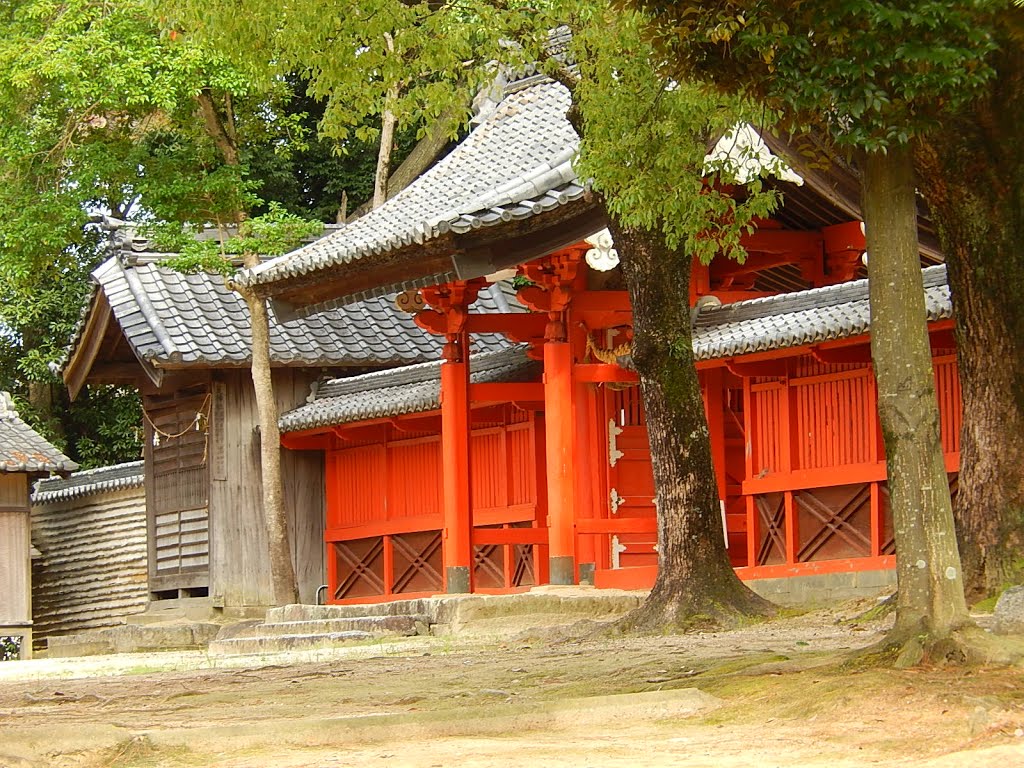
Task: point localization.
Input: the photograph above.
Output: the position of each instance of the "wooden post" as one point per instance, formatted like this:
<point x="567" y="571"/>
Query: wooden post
<point x="877" y="521"/>
<point x="450" y="304"/>
<point x="555" y="278"/>
<point x="455" y="455"/>
<point x="792" y="529"/>
<point x="753" y="523"/>
<point x="588" y="494"/>
<point x="714" y="406"/>
<point x="559" y="431"/>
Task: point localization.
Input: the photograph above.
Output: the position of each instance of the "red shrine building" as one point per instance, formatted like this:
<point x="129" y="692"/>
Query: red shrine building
<point x="497" y="471"/>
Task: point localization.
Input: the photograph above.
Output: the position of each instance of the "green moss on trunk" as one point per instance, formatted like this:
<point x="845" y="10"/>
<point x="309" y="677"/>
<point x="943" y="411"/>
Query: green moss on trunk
<point x="696" y="585"/>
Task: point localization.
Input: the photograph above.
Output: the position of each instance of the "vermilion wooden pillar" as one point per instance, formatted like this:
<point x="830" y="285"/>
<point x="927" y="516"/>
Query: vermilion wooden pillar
<point x="560" y="430"/>
<point x="554" y="278"/>
<point x="450" y="309"/>
<point x="457" y="536"/>
<point x="587" y="475"/>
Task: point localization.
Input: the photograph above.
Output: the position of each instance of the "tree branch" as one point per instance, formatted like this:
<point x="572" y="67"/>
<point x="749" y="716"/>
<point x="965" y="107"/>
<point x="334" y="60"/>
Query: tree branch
<point x="215" y="127"/>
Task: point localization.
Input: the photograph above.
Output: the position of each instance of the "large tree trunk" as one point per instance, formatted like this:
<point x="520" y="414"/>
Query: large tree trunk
<point x="973" y="179"/>
<point x="930" y="603"/>
<point x="282" y="572"/>
<point x="696" y="584"/>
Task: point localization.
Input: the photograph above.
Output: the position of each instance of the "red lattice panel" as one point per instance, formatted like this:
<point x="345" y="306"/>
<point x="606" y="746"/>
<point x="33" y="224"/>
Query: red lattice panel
<point x="833" y="522"/>
<point x="771" y="510"/>
<point x="417" y="562"/>
<point x="360" y="568"/>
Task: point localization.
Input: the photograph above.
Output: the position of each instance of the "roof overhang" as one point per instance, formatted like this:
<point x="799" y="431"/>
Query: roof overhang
<point x="83" y="361"/>
<point x="451" y="256"/>
<point x="837" y="181"/>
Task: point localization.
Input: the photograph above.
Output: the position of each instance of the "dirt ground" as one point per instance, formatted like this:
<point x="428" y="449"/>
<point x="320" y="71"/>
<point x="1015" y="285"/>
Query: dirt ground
<point x="774" y="694"/>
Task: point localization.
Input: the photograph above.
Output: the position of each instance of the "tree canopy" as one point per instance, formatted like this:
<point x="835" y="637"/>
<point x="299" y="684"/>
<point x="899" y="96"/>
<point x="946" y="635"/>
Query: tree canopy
<point x="102" y="111"/>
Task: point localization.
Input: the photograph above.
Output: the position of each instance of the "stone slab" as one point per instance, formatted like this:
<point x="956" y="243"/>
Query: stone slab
<point x="1008" y="616"/>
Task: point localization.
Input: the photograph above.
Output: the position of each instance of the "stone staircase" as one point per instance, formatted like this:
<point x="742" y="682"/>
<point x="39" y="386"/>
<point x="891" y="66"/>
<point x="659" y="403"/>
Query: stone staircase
<point x="193" y="624"/>
<point x="309" y="627"/>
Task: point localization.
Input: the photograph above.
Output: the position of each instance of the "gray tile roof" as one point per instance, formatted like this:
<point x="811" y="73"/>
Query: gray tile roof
<point x="89" y="482"/>
<point x="732" y="330"/>
<point x="22" y="449"/>
<point x="413" y="389"/>
<point x="806" y="317"/>
<point x="173" y="319"/>
<point x="514" y="165"/>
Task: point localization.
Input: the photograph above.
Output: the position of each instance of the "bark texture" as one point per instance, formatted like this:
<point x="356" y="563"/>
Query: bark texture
<point x="388" y="120"/>
<point x="282" y="570"/>
<point x="973" y="179"/>
<point x="930" y="603"/>
<point x="696" y="584"/>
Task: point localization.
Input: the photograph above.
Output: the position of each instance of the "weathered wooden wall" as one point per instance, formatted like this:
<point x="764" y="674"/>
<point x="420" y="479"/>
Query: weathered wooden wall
<point x="15" y="560"/>
<point x="239" y="572"/>
<point x="91" y="571"/>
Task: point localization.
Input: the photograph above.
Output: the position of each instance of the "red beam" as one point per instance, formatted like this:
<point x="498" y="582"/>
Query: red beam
<point x="782" y="241"/>
<point x="841" y="355"/>
<point x="594" y="526"/>
<point x="298" y="442"/>
<point x="596" y="373"/>
<point x="506" y="392"/>
<point x="761" y="368"/>
<point x="504" y="536"/>
<point x="605" y="301"/>
<point x="518" y="324"/>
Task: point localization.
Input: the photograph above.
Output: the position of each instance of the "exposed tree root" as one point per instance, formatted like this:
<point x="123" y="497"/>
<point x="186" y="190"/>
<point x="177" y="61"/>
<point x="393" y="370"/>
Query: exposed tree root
<point x="881" y="610"/>
<point x="967" y="646"/>
<point x="690" y="613"/>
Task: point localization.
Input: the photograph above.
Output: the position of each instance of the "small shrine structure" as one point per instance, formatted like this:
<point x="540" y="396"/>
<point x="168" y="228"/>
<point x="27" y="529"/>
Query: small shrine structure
<point x="185" y="342"/>
<point x="24" y="455"/>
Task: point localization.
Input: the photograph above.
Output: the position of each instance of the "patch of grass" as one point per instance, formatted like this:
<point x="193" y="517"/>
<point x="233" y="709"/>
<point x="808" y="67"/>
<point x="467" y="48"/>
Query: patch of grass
<point x="141" y="752"/>
<point x="988" y="605"/>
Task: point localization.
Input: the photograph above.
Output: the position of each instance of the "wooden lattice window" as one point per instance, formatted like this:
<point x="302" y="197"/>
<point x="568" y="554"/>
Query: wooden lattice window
<point x="179" y="445"/>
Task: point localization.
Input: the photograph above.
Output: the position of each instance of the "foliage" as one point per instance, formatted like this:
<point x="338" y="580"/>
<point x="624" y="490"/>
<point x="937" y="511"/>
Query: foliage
<point x="311" y="179"/>
<point x="10" y="648"/>
<point x="420" y="60"/>
<point x="100" y="112"/>
<point x="105" y="427"/>
<point x="645" y="140"/>
<point x="870" y="72"/>
<point x="274" y="233"/>
<point x="645" y="137"/>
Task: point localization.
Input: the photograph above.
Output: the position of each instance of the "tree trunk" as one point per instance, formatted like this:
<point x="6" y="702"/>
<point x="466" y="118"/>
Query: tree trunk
<point x="282" y="572"/>
<point x="283" y="583"/>
<point x="696" y="584"/>
<point x="387" y="139"/>
<point x="419" y="160"/>
<point x="930" y="604"/>
<point x="973" y="179"/>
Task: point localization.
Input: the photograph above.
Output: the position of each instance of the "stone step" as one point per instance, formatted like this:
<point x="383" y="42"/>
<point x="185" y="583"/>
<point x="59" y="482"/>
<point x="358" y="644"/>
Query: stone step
<point x="298" y="612"/>
<point x="132" y="638"/>
<point x="251" y="646"/>
<point x="374" y="625"/>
